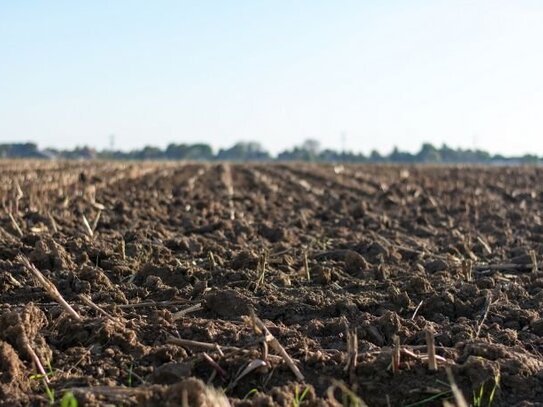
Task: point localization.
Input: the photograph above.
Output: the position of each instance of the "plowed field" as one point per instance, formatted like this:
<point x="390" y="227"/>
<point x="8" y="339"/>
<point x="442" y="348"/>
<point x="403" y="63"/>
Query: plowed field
<point x="266" y="284"/>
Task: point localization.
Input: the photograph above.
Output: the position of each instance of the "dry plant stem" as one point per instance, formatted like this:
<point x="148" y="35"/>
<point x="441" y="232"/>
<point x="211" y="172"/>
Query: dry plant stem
<point x="95" y="222"/>
<point x="306" y="267"/>
<point x="485" y="245"/>
<point x="36" y="361"/>
<point x="187" y="343"/>
<point x="255" y="364"/>
<point x="265" y="350"/>
<point x="114" y="394"/>
<point x="505" y="267"/>
<point x="19" y="190"/>
<point x="458" y="396"/>
<point x="352" y="351"/>
<point x="412" y="348"/>
<point x="18" y="197"/>
<point x="430" y="343"/>
<point x="353" y="354"/>
<point x="534" y="261"/>
<point x="212" y="260"/>
<point x="200" y="345"/>
<point x="49" y="287"/>
<point x="184" y="398"/>
<point x="261" y="270"/>
<point x="123" y="249"/>
<point x="396" y="355"/>
<point x="485" y="315"/>
<point x="274" y="343"/>
<point x="15" y="225"/>
<point x="182" y="313"/>
<point x="227" y="180"/>
<point x="467" y="267"/>
<point x="85" y="354"/>
<point x="215" y="365"/>
<point x="52" y="222"/>
<point x="281" y="252"/>
<point x="13" y="280"/>
<point x="407" y="352"/>
<point x="148" y="304"/>
<point x="87" y="227"/>
<point x="91" y="304"/>
<point x="417" y="309"/>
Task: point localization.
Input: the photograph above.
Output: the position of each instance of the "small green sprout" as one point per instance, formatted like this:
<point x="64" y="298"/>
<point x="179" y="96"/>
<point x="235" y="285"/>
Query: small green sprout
<point x="50" y="394"/>
<point x="442" y="395"/>
<point x="130" y="375"/>
<point x="299" y="397"/>
<point x="479" y="397"/>
<point x="251" y="393"/>
<point x="68" y="400"/>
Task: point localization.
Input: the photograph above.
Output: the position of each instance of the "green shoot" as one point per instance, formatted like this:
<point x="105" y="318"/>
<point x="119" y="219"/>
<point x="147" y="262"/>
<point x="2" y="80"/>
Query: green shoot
<point x="50" y="393"/>
<point x="479" y="397"/>
<point x="68" y="400"/>
<point x="494" y="389"/>
<point x="427" y="400"/>
<point x="251" y="393"/>
<point x="299" y="397"/>
<point x="40" y="376"/>
<point x="130" y="375"/>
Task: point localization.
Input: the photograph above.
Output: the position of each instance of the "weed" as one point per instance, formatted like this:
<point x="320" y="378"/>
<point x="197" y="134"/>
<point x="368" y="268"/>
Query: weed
<point x="348" y="397"/>
<point x="427" y="400"/>
<point x="39" y="376"/>
<point x="494" y="389"/>
<point x="251" y="393"/>
<point x="479" y="396"/>
<point x="299" y="397"/>
<point x="50" y="394"/>
<point x="129" y="381"/>
<point x="68" y="400"/>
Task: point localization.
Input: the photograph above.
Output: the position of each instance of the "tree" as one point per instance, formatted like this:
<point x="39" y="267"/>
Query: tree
<point x="151" y="153"/>
<point x="375" y="156"/>
<point x="312" y="146"/>
<point x="244" y="151"/>
<point x="428" y="154"/>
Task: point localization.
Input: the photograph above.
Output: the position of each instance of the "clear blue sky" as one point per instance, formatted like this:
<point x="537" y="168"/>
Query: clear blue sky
<point x="384" y="72"/>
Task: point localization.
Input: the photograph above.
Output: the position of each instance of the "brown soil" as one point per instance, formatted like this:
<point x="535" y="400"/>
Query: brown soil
<point x="317" y="252"/>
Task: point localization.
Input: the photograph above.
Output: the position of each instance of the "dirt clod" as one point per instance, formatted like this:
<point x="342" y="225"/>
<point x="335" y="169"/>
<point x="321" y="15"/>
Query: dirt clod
<point x="227" y="303"/>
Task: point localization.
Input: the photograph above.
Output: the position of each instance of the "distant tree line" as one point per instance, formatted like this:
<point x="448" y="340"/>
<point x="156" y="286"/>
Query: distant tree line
<point x="310" y="150"/>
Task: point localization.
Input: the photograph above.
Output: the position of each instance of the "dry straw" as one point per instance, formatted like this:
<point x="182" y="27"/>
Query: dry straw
<point x="49" y="287"/>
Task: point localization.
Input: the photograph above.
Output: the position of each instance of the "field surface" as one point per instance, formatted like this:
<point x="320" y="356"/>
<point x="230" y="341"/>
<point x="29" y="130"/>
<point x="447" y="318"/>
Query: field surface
<point x="294" y="285"/>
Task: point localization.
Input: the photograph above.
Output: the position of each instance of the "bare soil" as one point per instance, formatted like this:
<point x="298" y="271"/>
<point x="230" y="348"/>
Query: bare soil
<point x="195" y="252"/>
